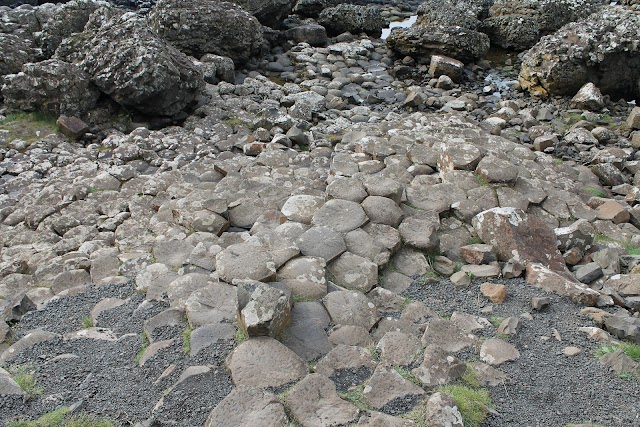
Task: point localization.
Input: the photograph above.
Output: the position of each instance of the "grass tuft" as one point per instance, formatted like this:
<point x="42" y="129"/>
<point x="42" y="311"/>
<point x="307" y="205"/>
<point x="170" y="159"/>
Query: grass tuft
<point x="596" y="192"/>
<point x="87" y="322"/>
<point x="58" y="418"/>
<point x="473" y="404"/>
<point x="470" y="377"/>
<point x="143" y="348"/>
<point x="630" y="349"/>
<point x="24" y="376"/>
<point x="186" y="340"/>
<point x="241" y="336"/>
<point x="356" y="397"/>
<point x="407" y="375"/>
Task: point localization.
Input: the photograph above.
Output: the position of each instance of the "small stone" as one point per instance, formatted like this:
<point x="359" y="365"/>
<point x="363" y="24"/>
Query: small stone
<point x="72" y="127"/>
<point x="588" y="97"/>
<point x="442" y="411"/>
<point x="633" y="121"/>
<point x="539" y="303"/>
<point x="460" y="279"/>
<point x="263" y="310"/>
<point x="571" y="351"/>
<point x="495" y="352"/>
<point x="496" y="293"/>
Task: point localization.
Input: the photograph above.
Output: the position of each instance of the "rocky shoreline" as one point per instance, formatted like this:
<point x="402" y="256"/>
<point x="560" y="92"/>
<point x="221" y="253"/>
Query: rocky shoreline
<point x="262" y="214"/>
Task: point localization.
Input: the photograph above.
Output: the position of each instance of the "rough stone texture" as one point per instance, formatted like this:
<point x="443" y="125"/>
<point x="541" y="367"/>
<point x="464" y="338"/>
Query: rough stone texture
<point x="245" y="261"/>
<point x="494" y="351"/>
<point x="340" y="215"/>
<point x="322" y="242"/>
<point x="354" y="272"/>
<point x="626" y="328"/>
<point x="446" y="335"/>
<point x="520" y="24"/>
<point x="421" y="42"/>
<point x="352" y="18"/>
<point x="540" y="276"/>
<point x="305" y="277"/>
<point x="306" y="335"/>
<point x="442" y="411"/>
<point x="263" y="309"/>
<point x="515" y="234"/>
<point x="495" y="292"/>
<point x="350" y="308"/>
<point x="448" y="12"/>
<point x="246" y="406"/>
<point x="314" y="403"/>
<point x="53" y="87"/>
<point x="211" y="26"/>
<point x="265" y="362"/>
<point x="587" y="50"/>
<point x="269" y="12"/>
<point x="137" y="69"/>
<point x="15" y="51"/>
<point x="438" y="367"/>
<point x="442" y="65"/>
<point x="386" y="386"/>
<point x="588" y="97"/>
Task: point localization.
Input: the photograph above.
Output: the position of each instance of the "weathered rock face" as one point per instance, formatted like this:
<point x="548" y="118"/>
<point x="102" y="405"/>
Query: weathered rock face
<point x="602" y="49"/>
<point x="51" y="86"/>
<point x="15" y="51"/>
<point x="310" y="8"/>
<point x="68" y="19"/>
<point x="200" y="27"/>
<point x="136" y="68"/>
<point x="268" y="12"/>
<point x="352" y="18"/>
<point x="448" y="12"/>
<point x="422" y="41"/>
<point x="520" y="24"/>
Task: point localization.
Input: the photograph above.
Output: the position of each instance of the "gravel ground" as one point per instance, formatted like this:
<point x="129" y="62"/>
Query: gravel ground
<point x="104" y="378"/>
<point x="546" y="388"/>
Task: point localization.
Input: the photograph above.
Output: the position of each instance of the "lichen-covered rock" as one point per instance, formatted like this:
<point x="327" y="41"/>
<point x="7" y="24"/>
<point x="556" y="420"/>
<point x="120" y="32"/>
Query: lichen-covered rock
<point x="15" y="51"/>
<point x="210" y="26"/>
<point x="602" y="49"/>
<point x="67" y="19"/>
<point x="268" y="12"/>
<point x="352" y="18"/>
<point x="448" y="12"/>
<point x="520" y="24"/>
<point x="51" y="86"/>
<point x="422" y="41"/>
<point x="136" y="68"/>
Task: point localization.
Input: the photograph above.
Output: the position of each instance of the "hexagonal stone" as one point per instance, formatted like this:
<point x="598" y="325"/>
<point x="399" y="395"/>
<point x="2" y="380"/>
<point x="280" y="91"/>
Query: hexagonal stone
<point x="459" y="156"/>
<point x="314" y="403"/>
<point x="382" y="210"/>
<point x="245" y="261"/>
<point x="305" y="276"/>
<point x="385" y="235"/>
<point x="442" y="411"/>
<point x="306" y="334"/>
<point x="497" y="170"/>
<point x="350" y="308"/>
<point x="399" y="348"/>
<point x="340" y="215"/>
<point x="354" y="272"/>
<point x="437" y="197"/>
<point x="32" y="338"/>
<point x="347" y="189"/>
<point x="421" y="231"/>
<point x="438" y="367"/>
<point x="350" y="335"/>
<point x="265" y="362"/>
<point x="209" y="222"/>
<point x="410" y="262"/>
<point x="346" y="358"/>
<point x="215" y="303"/>
<point x="361" y="243"/>
<point x="301" y="208"/>
<point x="389" y="391"/>
<point x="323" y="242"/>
<point x="444" y="334"/>
<point x="247" y="406"/>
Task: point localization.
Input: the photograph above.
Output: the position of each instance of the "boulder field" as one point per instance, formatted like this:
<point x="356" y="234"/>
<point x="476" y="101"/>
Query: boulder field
<point x="262" y="214"/>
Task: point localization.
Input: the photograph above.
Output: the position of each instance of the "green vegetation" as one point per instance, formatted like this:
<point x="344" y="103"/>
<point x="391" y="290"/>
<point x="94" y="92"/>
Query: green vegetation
<point x="630" y="349"/>
<point x="58" y="418"/>
<point x="241" y="336"/>
<point x="29" y="127"/>
<point x="143" y="347"/>
<point x="482" y="180"/>
<point x="596" y="191"/>
<point x="24" y="376"/>
<point x="356" y="397"/>
<point x="470" y="377"/>
<point x="417" y="414"/>
<point x="631" y="249"/>
<point x="407" y="375"/>
<point x="473" y="404"/>
<point x="496" y="320"/>
<point x="87" y="322"/>
<point x="374" y="351"/>
<point x="186" y="340"/>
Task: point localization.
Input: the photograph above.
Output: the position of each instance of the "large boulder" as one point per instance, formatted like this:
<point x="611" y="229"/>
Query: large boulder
<point x="310" y="8"/>
<point x="450" y="13"/>
<point x="352" y="18"/>
<point x="423" y="41"/>
<point x="15" y="51"/>
<point x="136" y="68"/>
<point x="602" y="49"/>
<point x="65" y="20"/>
<point x="208" y="26"/>
<point x="268" y="12"/>
<point x="520" y="24"/>
<point x="53" y="86"/>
